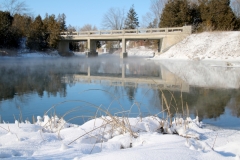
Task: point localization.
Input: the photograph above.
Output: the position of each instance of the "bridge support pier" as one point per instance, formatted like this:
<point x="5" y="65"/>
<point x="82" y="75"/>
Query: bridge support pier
<point x="124" y="52"/>
<point x="63" y="48"/>
<point x="92" y="47"/>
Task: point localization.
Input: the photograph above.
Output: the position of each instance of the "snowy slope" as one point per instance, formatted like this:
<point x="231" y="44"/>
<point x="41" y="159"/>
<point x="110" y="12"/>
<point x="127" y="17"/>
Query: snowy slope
<point x="207" y="45"/>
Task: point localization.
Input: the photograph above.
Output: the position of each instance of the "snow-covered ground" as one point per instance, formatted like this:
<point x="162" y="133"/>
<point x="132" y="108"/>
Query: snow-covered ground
<point x="206" y="46"/>
<point x="116" y="138"/>
<point x="140" y="51"/>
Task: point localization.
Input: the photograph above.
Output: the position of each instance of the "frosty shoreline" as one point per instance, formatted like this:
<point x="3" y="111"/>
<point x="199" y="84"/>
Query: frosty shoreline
<point x="95" y="139"/>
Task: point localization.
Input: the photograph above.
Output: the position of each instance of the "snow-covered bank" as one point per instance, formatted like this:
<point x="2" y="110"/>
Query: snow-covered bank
<point x="98" y="139"/>
<point x="206" y="46"/>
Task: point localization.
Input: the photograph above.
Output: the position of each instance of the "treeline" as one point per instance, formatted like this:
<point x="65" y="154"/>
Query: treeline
<point x="203" y="15"/>
<point x="36" y="33"/>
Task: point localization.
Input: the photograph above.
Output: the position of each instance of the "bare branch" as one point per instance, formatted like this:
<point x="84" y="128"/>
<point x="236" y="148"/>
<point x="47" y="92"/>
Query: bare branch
<point x="147" y="19"/>
<point x="157" y="7"/>
<point x="88" y="27"/>
<point x="71" y="28"/>
<point x="153" y="17"/>
<point x="114" y="19"/>
<point x="15" y="7"/>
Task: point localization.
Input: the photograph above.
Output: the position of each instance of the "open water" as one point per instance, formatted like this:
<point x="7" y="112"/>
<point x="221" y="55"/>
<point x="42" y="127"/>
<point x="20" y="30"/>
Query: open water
<point x="81" y="88"/>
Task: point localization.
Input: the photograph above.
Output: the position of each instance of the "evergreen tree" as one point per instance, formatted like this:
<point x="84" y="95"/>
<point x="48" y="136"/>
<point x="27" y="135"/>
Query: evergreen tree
<point x="5" y="23"/>
<point x="52" y="30"/>
<point x="176" y="13"/>
<point x="217" y="15"/>
<point x="40" y="34"/>
<point x="22" y="23"/>
<point x="131" y="21"/>
<point x="238" y="24"/>
<point x="9" y="36"/>
<point x="36" y="39"/>
<point x="62" y="21"/>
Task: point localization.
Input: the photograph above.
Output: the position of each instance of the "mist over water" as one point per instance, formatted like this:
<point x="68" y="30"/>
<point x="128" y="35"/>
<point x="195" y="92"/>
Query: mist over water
<point x="30" y="86"/>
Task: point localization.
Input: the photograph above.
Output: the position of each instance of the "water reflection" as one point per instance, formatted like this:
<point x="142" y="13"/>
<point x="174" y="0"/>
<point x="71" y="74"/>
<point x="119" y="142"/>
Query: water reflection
<point x="206" y="74"/>
<point x="37" y="84"/>
<point x="21" y="77"/>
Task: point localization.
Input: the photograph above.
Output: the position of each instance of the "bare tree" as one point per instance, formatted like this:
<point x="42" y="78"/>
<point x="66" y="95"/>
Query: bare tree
<point x="154" y="15"/>
<point x="71" y="28"/>
<point x="114" y="19"/>
<point x="157" y="7"/>
<point x="147" y="19"/>
<point x="15" y="6"/>
<point x="88" y="27"/>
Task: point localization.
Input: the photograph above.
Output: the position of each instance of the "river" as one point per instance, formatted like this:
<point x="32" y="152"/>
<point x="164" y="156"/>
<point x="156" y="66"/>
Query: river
<point x="81" y="88"/>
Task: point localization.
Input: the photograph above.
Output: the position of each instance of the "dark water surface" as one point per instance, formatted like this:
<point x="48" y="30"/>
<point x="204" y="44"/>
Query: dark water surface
<point x="82" y="88"/>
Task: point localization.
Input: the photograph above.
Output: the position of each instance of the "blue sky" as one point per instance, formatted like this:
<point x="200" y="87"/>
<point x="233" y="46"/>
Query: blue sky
<point x="81" y="12"/>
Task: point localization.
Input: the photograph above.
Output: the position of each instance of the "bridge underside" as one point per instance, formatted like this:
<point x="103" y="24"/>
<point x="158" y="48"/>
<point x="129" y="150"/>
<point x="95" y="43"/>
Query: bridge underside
<point x="92" y="47"/>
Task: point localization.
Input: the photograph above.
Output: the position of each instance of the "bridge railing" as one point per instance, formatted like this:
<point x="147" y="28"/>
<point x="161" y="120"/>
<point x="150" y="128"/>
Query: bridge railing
<point x="185" y="29"/>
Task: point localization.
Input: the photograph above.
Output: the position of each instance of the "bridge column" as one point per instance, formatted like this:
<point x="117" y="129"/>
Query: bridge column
<point x="92" y="47"/>
<point x="63" y="48"/>
<point x="124" y="53"/>
<point x="159" y="45"/>
<point x="163" y="44"/>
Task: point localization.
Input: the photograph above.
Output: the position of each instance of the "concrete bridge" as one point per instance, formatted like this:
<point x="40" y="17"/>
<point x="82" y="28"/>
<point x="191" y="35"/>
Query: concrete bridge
<point x="166" y="37"/>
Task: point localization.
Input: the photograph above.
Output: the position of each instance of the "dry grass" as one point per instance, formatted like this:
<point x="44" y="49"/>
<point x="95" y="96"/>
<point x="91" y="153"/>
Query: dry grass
<point x="120" y="124"/>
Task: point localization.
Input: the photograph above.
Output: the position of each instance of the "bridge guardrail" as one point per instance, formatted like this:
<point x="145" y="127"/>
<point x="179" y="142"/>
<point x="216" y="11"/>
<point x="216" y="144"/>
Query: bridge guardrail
<point x="185" y="29"/>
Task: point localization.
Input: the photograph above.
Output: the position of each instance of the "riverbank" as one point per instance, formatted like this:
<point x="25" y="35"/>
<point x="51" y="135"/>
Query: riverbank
<point x="218" y="46"/>
<point x="96" y="139"/>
